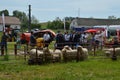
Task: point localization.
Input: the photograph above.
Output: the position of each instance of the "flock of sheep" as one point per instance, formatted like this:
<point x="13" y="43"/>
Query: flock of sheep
<point x="66" y="54"/>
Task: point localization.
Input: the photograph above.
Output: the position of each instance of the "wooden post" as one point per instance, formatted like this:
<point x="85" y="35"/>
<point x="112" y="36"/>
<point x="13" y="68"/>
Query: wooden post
<point x="94" y="49"/>
<point x="27" y="47"/>
<point x="25" y="53"/>
<point x="15" y="49"/>
<point x="2" y="50"/>
<point x="36" y="56"/>
<point x="114" y="57"/>
<point x="78" y="55"/>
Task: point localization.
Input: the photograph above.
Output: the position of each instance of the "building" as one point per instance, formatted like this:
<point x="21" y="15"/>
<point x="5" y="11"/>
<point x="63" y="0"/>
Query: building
<point x="80" y="24"/>
<point x="11" y="22"/>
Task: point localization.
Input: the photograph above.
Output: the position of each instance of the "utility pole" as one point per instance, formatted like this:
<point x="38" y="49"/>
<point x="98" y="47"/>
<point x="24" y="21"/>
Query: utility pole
<point x="29" y="25"/>
<point x="64" y="25"/>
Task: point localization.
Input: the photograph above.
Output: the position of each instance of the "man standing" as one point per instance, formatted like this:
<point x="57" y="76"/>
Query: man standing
<point x="59" y="41"/>
<point x="4" y="43"/>
<point x="46" y="38"/>
<point x="32" y="40"/>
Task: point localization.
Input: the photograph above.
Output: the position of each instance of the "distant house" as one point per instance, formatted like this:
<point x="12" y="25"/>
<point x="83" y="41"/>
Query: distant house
<point x="81" y="24"/>
<point x="11" y="22"/>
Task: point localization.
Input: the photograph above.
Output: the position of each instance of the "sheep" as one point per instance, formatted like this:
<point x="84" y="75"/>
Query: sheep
<point x="52" y="55"/>
<point x="109" y="52"/>
<point x="74" y="54"/>
<point x="69" y="54"/>
<point x="36" y="56"/>
<point x="82" y="53"/>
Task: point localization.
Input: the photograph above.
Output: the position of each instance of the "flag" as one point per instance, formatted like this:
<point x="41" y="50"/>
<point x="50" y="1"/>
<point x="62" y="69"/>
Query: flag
<point x="3" y="20"/>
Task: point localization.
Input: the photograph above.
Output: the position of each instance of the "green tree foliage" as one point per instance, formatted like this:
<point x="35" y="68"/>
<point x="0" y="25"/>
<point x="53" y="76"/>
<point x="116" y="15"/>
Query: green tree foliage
<point x="58" y="24"/>
<point x="38" y="25"/>
<point x="69" y="19"/>
<point x="21" y="15"/>
<point x="6" y="13"/>
<point x="67" y="25"/>
<point x="24" y="20"/>
<point x="55" y="25"/>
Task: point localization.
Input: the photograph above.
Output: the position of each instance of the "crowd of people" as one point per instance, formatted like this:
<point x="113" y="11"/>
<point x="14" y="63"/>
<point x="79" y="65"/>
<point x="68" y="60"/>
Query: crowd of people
<point x="73" y="39"/>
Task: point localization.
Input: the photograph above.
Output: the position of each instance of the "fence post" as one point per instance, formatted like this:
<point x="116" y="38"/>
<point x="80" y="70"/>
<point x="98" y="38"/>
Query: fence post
<point x="27" y="47"/>
<point x="114" y="57"/>
<point x="25" y="53"/>
<point x="78" y="55"/>
<point x="15" y="49"/>
<point x="94" y="49"/>
<point x="2" y="50"/>
<point x="36" y="56"/>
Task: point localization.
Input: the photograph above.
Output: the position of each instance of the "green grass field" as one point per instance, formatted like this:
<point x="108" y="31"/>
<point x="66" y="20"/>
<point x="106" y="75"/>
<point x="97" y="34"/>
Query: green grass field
<point x="95" y="68"/>
<point x="92" y="69"/>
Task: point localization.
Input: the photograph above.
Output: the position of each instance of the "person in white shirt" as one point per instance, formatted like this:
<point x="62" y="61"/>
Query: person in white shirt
<point x="67" y="38"/>
<point x="46" y="38"/>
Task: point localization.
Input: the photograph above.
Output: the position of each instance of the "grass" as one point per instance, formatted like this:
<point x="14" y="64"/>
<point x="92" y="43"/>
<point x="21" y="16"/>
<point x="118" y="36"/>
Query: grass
<point x="95" y="68"/>
<point x="104" y="69"/>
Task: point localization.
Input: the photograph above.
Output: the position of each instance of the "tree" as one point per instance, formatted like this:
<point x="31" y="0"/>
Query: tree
<point x="6" y="13"/>
<point x="59" y="24"/>
<point x="24" y="19"/>
<point x="21" y="15"/>
<point x="69" y="19"/>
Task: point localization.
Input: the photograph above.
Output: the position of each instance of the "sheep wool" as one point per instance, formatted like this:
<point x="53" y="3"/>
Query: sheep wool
<point x="52" y="55"/>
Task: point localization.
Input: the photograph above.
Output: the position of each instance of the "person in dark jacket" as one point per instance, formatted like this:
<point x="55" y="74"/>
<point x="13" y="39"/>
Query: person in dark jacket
<point x="32" y="40"/>
<point x="4" y="42"/>
<point x="59" y="41"/>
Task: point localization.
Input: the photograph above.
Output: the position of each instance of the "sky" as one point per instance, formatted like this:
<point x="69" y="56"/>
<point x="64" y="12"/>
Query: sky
<point x="48" y="10"/>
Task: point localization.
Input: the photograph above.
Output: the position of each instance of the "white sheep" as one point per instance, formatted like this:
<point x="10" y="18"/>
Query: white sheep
<point x="74" y="54"/>
<point x="36" y="56"/>
<point x="52" y="55"/>
<point x="82" y="53"/>
<point x="69" y="54"/>
<point x="109" y="52"/>
<point x="33" y="53"/>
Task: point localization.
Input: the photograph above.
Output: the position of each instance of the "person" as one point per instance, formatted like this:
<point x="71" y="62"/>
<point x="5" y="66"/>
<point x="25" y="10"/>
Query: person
<point x="72" y="36"/>
<point x="18" y="40"/>
<point x="40" y="41"/>
<point x="59" y="41"/>
<point x="32" y="40"/>
<point x="46" y="38"/>
<point x="115" y="41"/>
<point x="67" y="38"/>
<point x="4" y="42"/>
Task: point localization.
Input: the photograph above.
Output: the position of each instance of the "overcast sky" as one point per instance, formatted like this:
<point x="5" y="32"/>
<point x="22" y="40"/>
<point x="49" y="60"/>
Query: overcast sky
<point x="48" y="10"/>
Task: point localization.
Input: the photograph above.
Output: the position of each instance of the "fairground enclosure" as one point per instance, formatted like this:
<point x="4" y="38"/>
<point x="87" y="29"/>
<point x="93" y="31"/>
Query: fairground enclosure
<point x="22" y="50"/>
<point x="98" y="66"/>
